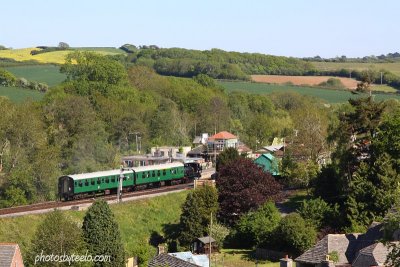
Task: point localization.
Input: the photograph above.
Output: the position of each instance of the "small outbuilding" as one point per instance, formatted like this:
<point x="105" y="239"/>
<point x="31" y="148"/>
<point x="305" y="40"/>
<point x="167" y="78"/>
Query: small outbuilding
<point x="202" y="245"/>
<point x="269" y="163"/>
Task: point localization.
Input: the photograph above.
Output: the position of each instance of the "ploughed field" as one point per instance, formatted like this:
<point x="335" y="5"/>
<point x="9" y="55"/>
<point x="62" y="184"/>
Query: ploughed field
<point x="302" y="80"/>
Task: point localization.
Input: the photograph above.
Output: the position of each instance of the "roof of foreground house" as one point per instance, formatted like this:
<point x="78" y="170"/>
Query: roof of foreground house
<point x="343" y="244"/>
<point x="200" y="260"/>
<point x="373" y="255"/>
<point x="348" y="246"/>
<point x="7" y="252"/>
<point x="165" y="260"/>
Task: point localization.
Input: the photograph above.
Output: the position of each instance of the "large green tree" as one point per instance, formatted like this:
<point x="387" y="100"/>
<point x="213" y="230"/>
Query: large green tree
<point x="256" y="227"/>
<point x="226" y="156"/>
<point x="58" y="234"/>
<point x="197" y="210"/>
<point x="102" y="235"/>
<point x="294" y="235"/>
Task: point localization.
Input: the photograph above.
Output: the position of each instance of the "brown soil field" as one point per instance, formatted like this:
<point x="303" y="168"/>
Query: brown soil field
<point x="302" y="80"/>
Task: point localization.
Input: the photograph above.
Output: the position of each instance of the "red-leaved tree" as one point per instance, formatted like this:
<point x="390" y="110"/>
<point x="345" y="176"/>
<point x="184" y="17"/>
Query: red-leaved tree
<point x="243" y="186"/>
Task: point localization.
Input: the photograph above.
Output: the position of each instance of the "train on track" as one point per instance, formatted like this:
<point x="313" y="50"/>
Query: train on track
<point x="83" y="185"/>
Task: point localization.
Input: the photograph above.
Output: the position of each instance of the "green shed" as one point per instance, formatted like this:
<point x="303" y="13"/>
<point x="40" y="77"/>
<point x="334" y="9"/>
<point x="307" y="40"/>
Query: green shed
<point x="269" y="163"/>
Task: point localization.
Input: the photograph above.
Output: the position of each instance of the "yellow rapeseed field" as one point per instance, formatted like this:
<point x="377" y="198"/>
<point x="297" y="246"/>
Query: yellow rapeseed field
<point x="24" y="54"/>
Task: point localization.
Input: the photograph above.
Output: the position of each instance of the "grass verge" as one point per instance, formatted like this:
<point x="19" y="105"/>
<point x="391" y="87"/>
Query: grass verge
<point x="137" y="220"/>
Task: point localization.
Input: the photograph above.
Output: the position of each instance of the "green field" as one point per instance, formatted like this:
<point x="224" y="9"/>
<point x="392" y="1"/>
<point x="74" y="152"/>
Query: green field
<point x="392" y="67"/>
<point x="48" y="74"/>
<point x="137" y="221"/>
<point x="331" y="96"/>
<point x="19" y="95"/>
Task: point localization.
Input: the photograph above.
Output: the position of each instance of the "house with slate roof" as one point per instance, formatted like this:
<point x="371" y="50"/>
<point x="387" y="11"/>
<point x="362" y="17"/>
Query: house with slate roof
<point x="10" y="255"/>
<point x="352" y="250"/>
<point x="166" y="260"/>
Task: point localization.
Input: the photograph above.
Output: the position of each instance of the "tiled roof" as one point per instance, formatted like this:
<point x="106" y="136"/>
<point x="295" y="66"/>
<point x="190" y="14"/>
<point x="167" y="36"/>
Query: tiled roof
<point x="206" y="239"/>
<point x="223" y="135"/>
<point x="200" y="260"/>
<point x="347" y="246"/>
<point x="165" y="260"/>
<point x="7" y="251"/>
<point x="373" y="255"/>
<point x="341" y="243"/>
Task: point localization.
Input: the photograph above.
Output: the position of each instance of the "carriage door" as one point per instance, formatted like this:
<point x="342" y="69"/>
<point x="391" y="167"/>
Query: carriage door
<point x="65" y="188"/>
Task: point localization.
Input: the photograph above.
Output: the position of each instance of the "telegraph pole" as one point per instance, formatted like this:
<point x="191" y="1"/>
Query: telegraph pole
<point x="136" y="135"/>
<point x="209" y="239"/>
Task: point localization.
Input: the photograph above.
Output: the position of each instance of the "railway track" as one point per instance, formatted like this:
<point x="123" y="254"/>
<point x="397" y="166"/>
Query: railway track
<point x="46" y="206"/>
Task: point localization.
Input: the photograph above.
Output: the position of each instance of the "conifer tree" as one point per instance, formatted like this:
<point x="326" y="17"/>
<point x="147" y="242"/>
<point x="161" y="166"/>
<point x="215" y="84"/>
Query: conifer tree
<point x="196" y="212"/>
<point x="101" y="234"/>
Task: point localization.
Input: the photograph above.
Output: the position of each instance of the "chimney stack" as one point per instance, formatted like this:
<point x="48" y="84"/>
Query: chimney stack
<point x="160" y="249"/>
<point x="286" y="262"/>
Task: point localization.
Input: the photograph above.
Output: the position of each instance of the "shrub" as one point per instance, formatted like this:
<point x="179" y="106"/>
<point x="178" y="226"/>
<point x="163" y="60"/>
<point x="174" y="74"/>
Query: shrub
<point x="257" y="227"/>
<point x="294" y="235"/>
<point x="7" y="78"/>
<point x="318" y="212"/>
<point x="333" y="83"/>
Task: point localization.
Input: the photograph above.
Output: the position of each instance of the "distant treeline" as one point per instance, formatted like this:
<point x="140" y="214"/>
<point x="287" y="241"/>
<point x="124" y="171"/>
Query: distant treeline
<point x="373" y="75"/>
<point x="221" y="64"/>
<point x="215" y="63"/>
<point x="46" y="49"/>
<point x="390" y="57"/>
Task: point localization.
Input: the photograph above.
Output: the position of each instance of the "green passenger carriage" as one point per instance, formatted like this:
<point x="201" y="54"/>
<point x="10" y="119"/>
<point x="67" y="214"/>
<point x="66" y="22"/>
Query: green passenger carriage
<point x="106" y="182"/>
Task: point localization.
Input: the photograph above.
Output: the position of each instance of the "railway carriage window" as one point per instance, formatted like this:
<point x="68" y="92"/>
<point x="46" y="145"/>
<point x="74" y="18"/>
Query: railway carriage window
<point x="124" y="179"/>
<point x="80" y="184"/>
<point x="148" y="174"/>
<point x="107" y="180"/>
<point x="158" y="173"/>
<point x="92" y="182"/>
<point x="86" y="183"/>
<point x="143" y="175"/>
<point x="98" y="181"/>
<point x="154" y="174"/>
<point x="113" y="180"/>
<point x="164" y="172"/>
<point x="76" y="183"/>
